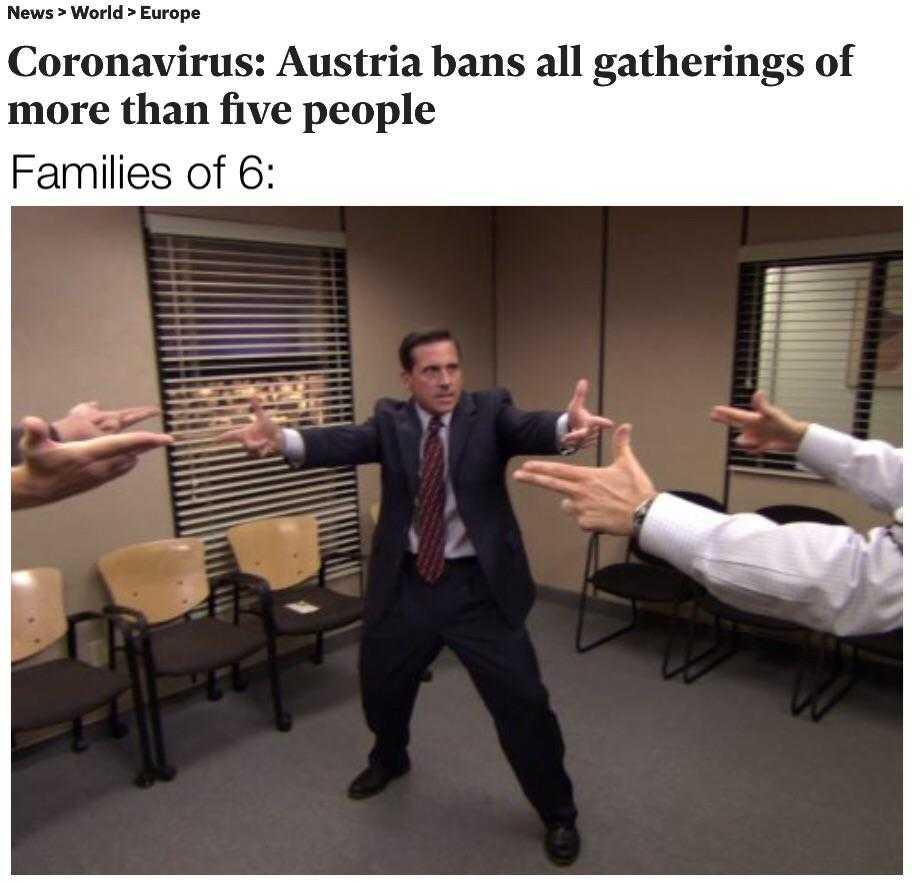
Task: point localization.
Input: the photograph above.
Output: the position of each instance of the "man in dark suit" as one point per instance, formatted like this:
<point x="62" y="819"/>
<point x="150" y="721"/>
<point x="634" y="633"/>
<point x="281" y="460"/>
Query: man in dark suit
<point x="448" y="565"/>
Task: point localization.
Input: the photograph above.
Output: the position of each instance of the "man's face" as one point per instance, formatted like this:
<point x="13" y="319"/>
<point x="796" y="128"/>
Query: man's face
<point x="435" y="379"/>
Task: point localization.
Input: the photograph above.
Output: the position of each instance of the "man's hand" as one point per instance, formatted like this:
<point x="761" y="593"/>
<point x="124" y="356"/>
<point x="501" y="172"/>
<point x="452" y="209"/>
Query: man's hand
<point x="87" y="421"/>
<point x="601" y="499"/>
<point x="767" y="429"/>
<point x="261" y="437"/>
<point x="51" y="471"/>
<point x="584" y="429"/>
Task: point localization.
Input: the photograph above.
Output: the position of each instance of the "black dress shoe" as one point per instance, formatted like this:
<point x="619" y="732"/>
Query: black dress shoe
<point x="373" y="780"/>
<point x="562" y="844"/>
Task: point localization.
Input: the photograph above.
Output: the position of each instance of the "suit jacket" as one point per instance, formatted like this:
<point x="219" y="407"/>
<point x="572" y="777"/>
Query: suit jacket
<point x="485" y="431"/>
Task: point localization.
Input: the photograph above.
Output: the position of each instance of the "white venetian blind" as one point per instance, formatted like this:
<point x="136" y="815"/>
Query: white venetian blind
<point x="236" y="317"/>
<point x="824" y="339"/>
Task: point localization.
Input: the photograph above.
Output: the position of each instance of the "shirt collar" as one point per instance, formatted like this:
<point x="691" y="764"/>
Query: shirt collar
<point x="425" y="418"/>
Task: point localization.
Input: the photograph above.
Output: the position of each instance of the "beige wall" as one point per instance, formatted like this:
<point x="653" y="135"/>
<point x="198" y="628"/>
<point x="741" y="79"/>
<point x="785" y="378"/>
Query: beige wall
<point x="549" y="281"/>
<point x="303" y="217"/>
<point x="81" y="329"/>
<point x="782" y="224"/>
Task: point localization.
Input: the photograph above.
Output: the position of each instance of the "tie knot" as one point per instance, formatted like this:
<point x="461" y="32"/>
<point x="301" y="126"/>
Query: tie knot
<point x="435" y="425"/>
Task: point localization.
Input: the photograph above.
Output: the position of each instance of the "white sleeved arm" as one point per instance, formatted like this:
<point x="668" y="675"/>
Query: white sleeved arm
<point x="871" y="469"/>
<point x="829" y="578"/>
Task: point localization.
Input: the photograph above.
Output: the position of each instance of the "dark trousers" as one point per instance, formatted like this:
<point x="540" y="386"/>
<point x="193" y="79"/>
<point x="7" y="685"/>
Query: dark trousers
<point x="460" y="612"/>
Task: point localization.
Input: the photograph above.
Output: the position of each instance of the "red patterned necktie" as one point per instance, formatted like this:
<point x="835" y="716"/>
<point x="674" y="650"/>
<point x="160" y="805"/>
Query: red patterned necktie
<point x="431" y="499"/>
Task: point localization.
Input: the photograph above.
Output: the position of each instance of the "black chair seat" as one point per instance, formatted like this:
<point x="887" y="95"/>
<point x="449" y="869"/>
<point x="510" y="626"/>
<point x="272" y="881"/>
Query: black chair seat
<point x="888" y="645"/>
<point x="717" y="608"/>
<point x="201" y="644"/>
<point x="334" y="610"/>
<point x="646" y="583"/>
<point x="60" y="691"/>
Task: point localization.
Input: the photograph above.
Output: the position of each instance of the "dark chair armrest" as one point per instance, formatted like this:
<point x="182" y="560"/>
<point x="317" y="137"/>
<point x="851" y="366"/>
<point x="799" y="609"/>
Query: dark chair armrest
<point x="106" y="615"/>
<point x="252" y="584"/>
<point x="129" y="621"/>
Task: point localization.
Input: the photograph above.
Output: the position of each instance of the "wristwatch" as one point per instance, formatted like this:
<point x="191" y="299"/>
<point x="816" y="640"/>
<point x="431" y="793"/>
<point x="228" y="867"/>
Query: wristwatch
<point x="639" y="514"/>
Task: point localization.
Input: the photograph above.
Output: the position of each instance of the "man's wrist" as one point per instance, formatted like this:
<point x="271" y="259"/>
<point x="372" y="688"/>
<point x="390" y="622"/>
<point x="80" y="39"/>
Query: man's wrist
<point x="24" y="491"/>
<point x="799" y="431"/>
<point x="640" y="513"/>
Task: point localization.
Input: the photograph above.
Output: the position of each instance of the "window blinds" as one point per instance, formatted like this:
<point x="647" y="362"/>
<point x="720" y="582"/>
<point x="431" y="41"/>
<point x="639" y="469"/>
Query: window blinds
<point x="824" y="339"/>
<point x="235" y="318"/>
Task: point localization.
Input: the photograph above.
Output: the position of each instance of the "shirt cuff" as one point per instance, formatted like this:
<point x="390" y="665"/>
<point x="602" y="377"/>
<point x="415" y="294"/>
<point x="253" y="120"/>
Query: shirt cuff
<point x="561" y="431"/>
<point x="292" y="447"/>
<point x="823" y="449"/>
<point x="675" y="528"/>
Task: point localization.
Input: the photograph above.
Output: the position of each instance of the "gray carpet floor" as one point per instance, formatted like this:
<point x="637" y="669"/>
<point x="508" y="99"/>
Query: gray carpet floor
<point x="715" y="777"/>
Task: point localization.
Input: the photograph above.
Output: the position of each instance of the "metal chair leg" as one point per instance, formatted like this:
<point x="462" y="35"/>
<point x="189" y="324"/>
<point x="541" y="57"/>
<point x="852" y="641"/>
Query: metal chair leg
<point x="164" y="771"/>
<point x="77" y="743"/>
<point x="817" y="711"/>
<point x="213" y="692"/>
<point x="666" y="671"/>
<point x="797" y="702"/>
<point x="146" y="777"/>
<point x="116" y="727"/>
<point x="240" y="682"/>
<point x="282" y="718"/>
<point x="590" y="566"/>
<point x="690" y="661"/>
<point x="318" y="648"/>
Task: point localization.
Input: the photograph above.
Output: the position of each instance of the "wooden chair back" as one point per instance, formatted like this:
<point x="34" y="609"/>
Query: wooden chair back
<point x="38" y="618"/>
<point x="162" y="579"/>
<point x="284" y="550"/>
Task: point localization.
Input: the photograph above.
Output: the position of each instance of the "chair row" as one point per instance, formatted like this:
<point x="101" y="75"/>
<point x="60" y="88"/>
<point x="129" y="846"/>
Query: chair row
<point x="163" y="618"/>
<point x="642" y="577"/>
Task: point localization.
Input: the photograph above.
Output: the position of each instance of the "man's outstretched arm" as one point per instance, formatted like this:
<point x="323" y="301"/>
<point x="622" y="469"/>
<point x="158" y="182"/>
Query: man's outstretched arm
<point x="826" y="577"/>
<point x="550" y="433"/>
<point x="312" y="447"/>
<point x="871" y="469"/>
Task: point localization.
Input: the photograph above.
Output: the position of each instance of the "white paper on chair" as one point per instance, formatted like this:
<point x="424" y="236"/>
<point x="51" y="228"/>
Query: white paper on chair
<point x="302" y="608"/>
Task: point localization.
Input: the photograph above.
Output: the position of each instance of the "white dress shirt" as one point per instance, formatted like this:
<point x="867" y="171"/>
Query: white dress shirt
<point x="829" y="578"/>
<point x="457" y="541"/>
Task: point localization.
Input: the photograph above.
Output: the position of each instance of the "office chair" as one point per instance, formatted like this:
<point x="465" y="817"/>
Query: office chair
<point x="158" y="587"/>
<point x="285" y="553"/>
<point x="649" y="579"/>
<point x="884" y="645"/>
<point x="66" y="689"/>
<point x="782" y="514"/>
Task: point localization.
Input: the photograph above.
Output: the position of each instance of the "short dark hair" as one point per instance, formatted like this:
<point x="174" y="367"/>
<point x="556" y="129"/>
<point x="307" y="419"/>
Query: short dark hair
<point x="416" y="339"/>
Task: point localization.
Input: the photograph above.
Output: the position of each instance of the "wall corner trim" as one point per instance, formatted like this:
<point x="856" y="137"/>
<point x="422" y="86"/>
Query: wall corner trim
<point x="180" y="225"/>
<point x="892" y="242"/>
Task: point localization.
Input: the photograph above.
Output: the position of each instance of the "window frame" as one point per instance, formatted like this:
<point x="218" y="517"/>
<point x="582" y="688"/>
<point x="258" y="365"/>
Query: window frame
<point x="342" y="482"/>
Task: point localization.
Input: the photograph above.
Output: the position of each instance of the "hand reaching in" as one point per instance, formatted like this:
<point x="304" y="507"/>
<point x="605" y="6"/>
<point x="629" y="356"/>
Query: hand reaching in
<point x="52" y="470"/>
<point x="766" y="429"/>
<point x="87" y="420"/>
<point x="600" y="499"/>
